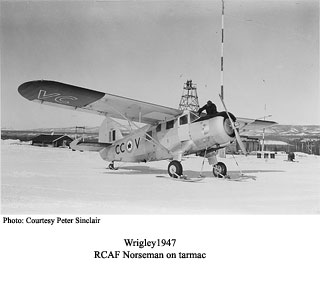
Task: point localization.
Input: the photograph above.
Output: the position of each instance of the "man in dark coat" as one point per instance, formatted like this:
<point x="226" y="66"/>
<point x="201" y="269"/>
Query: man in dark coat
<point x="210" y="108"/>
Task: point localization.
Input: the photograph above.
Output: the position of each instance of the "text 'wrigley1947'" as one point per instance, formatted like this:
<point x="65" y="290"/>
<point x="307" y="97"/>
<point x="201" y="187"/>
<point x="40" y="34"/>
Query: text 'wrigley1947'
<point x="150" y="243"/>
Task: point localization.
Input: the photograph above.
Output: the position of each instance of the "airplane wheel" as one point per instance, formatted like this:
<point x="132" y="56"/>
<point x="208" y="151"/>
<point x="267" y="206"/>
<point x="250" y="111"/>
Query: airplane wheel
<point x="111" y="166"/>
<point x="219" y="170"/>
<point x="175" y="168"/>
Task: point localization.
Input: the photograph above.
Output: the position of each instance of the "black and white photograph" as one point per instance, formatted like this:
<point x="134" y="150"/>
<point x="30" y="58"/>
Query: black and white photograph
<point x="136" y="114"/>
<point x="179" y="107"/>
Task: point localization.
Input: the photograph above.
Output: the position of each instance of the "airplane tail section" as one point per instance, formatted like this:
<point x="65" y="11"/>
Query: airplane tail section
<point x="111" y="131"/>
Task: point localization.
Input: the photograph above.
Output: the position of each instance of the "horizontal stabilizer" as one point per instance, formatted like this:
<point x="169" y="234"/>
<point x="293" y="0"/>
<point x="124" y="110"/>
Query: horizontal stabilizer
<point x="84" y="146"/>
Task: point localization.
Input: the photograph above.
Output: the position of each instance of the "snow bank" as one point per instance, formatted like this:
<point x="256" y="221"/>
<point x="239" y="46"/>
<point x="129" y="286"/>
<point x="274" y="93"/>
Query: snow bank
<point x="14" y="142"/>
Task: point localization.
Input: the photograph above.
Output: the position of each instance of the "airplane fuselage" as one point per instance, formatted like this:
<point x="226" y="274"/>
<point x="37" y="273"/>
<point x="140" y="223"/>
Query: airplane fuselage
<point x="171" y="139"/>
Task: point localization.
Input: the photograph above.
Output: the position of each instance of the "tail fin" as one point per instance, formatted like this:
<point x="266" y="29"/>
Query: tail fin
<point x="111" y="131"/>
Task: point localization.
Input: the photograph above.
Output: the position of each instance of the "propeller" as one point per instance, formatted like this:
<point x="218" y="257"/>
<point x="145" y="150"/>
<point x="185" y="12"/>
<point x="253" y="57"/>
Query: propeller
<point x="238" y="138"/>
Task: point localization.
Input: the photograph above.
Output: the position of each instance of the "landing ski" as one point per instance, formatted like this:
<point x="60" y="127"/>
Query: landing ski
<point x="182" y="178"/>
<point x="228" y="178"/>
<point x="240" y="178"/>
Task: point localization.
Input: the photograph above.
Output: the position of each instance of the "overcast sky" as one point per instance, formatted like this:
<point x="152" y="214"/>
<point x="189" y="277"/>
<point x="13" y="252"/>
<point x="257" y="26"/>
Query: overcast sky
<point x="147" y="50"/>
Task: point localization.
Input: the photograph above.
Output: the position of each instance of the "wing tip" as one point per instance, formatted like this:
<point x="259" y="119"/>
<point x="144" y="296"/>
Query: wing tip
<point x="266" y="122"/>
<point x="25" y="88"/>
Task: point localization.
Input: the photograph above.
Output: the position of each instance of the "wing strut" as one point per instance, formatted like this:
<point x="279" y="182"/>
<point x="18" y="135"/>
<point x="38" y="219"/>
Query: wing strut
<point x="155" y="142"/>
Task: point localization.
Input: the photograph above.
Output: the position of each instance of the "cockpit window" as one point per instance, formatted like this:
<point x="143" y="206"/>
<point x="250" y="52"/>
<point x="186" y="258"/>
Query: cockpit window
<point x="193" y="116"/>
<point x="184" y="120"/>
<point x="170" y="124"/>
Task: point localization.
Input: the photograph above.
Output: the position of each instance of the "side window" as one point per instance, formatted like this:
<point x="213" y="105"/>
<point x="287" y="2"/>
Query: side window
<point x="149" y="135"/>
<point x="158" y="128"/>
<point x="193" y="117"/>
<point x="170" y="124"/>
<point x="184" y="120"/>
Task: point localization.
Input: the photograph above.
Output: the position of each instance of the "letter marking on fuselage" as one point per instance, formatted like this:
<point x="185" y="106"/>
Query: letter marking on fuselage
<point x="137" y="142"/>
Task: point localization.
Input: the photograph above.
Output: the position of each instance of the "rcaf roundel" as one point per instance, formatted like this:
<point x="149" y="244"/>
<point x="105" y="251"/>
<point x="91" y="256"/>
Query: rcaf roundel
<point x="129" y="145"/>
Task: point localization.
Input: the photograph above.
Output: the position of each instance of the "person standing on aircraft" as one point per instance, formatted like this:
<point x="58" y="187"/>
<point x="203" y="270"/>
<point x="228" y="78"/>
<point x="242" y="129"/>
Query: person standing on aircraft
<point x="210" y="108"/>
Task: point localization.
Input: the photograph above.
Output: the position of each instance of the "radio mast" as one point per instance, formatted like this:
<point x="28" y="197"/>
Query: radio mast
<point x="222" y="40"/>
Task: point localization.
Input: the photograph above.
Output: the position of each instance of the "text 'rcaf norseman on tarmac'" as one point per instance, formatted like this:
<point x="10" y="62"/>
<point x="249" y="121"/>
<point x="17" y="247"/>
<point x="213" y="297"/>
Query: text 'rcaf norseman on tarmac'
<point x="142" y="243"/>
<point x="51" y="221"/>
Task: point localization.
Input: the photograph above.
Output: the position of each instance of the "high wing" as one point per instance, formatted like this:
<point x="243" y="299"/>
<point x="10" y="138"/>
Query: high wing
<point x="253" y="125"/>
<point x="78" y="98"/>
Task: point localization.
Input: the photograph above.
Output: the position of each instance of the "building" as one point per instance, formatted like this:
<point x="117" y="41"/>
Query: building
<point x="250" y="143"/>
<point x="310" y="145"/>
<point x="254" y="144"/>
<point x="52" y="140"/>
<point x="277" y="146"/>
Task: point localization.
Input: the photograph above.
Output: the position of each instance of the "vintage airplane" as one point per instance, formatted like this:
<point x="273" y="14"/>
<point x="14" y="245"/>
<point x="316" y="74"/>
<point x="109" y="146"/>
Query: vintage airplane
<point x="169" y="134"/>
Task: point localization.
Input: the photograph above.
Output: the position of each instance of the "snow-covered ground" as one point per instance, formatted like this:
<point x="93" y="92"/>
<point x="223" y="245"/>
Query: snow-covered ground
<point x="51" y="181"/>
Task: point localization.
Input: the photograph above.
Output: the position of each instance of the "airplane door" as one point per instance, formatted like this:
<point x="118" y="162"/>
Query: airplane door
<point x="150" y="147"/>
<point x="183" y="128"/>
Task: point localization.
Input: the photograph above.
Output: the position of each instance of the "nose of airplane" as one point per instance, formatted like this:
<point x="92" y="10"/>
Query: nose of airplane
<point x="228" y="128"/>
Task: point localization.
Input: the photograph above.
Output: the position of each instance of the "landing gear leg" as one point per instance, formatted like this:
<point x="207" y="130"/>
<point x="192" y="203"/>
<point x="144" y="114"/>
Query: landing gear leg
<point x="175" y="169"/>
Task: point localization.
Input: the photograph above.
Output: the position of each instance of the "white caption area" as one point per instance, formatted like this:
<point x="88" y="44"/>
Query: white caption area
<point x="255" y="257"/>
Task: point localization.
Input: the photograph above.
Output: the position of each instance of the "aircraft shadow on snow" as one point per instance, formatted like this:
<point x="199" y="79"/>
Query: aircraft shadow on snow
<point x="234" y="175"/>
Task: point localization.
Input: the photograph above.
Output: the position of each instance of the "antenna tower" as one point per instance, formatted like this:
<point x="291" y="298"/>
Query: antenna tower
<point x="189" y="98"/>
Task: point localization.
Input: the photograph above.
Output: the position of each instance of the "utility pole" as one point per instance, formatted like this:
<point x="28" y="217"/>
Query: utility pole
<point x="83" y="130"/>
<point x="264" y="118"/>
<point x="263" y="130"/>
